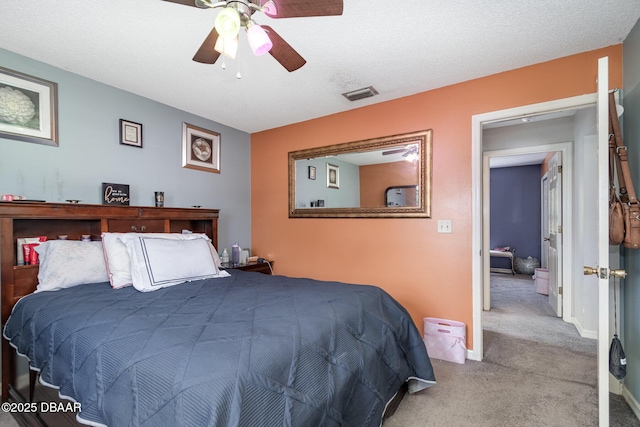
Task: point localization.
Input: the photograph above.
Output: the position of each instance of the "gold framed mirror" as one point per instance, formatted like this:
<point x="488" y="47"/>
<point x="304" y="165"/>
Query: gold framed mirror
<point x="351" y="180"/>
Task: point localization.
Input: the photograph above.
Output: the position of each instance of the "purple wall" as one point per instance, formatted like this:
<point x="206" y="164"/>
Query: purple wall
<point x="515" y="211"/>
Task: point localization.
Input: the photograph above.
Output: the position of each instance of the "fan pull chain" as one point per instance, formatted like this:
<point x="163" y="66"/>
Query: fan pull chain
<point x="238" y="76"/>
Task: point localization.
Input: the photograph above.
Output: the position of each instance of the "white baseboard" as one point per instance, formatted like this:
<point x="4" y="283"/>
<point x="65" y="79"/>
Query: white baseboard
<point x="584" y="333"/>
<point x="589" y="334"/>
<point x="615" y="385"/>
<point x="472" y="355"/>
<point x="633" y="403"/>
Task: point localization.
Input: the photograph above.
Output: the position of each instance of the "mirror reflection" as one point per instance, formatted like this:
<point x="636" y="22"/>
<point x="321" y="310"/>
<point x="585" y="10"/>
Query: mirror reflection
<point x="383" y="177"/>
<point x="401" y="195"/>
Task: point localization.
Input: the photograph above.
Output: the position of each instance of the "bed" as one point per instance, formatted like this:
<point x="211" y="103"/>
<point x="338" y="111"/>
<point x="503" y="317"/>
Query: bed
<point x="221" y="348"/>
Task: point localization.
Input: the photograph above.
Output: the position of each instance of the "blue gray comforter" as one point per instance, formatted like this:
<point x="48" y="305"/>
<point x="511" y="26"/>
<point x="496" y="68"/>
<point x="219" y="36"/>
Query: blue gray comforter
<point x="246" y="350"/>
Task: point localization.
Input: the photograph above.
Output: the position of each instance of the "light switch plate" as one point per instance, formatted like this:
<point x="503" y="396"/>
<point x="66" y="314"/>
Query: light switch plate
<point x="444" y="226"/>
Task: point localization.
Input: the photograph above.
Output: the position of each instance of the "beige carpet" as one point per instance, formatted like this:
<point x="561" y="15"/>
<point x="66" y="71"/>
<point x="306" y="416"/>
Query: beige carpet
<point x="6" y="420"/>
<point x="536" y="371"/>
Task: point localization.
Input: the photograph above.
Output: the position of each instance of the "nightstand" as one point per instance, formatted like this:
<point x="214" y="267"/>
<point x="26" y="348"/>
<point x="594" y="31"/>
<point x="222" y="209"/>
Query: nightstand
<point x="256" y="267"/>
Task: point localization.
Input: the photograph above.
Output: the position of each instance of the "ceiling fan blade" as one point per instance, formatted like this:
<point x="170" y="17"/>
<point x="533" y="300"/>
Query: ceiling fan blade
<point x="283" y="52"/>
<point x="184" y="2"/>
<point x="300" y="8"/>
<point x="399" y="150"/>
<point x="207" y="54"/>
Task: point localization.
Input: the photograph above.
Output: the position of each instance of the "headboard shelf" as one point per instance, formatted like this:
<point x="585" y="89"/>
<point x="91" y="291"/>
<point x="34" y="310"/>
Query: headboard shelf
<point x="73" y="228"/>
<point x="26" y="219"/>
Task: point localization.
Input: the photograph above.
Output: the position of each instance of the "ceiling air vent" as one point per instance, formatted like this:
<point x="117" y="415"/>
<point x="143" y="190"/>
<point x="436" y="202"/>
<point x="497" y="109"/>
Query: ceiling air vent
<point x="365" y="92"/>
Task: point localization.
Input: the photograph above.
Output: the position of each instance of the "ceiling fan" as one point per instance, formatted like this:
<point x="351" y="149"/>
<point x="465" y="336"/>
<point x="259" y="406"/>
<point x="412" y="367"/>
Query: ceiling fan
<point x="237" y="14"/>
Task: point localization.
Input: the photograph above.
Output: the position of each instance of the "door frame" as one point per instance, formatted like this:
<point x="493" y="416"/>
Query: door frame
<point x="479" y="203"/>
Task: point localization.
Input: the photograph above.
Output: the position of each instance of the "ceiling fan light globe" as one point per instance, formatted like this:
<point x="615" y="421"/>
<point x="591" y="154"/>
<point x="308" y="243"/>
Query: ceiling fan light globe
<point x="227" y="47"/>
<point x="227" y="23"/>
<point x="258" y="40"/>
<point x="269" y="8"/>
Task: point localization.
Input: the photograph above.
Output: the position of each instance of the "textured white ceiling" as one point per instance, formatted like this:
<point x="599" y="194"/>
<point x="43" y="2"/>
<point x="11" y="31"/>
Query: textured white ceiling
<point x="146" y="46"/>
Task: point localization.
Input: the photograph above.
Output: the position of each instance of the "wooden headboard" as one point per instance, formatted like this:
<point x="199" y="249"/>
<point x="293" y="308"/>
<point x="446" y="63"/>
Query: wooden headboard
<point x="24" y="219"/>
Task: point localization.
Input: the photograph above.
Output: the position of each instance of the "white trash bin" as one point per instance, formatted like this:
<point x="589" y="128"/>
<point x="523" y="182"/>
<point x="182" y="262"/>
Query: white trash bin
<point x="541" y="277"/>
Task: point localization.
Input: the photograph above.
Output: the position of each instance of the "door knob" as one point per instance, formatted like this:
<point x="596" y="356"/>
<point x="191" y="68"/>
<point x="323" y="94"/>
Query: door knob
<point x="546" y="239"/>
<point x="620" y="274"/>
<point x="589" y="270"/>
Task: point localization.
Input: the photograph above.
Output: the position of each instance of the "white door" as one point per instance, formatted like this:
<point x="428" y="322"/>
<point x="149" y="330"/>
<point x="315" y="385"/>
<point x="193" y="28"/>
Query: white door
<point x="601" y="271"/>
<point x="555" y="233"/>
<point x="544" y="245"/>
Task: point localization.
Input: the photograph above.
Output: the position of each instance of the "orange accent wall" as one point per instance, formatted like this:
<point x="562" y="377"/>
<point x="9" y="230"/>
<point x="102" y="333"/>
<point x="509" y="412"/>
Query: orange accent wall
<point x="429" y="273"/>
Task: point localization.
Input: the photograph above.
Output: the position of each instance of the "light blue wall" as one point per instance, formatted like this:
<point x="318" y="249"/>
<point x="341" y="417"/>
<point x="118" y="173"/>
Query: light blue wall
<point x="90" y="153"/>
<point x="631" y="132"/>
<point x="347" y="196"/>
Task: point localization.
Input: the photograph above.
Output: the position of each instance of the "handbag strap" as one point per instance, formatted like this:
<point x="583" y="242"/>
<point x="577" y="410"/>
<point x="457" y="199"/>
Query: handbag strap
<point x="613" y="159"/>
<point x="627" y="193"/>
<point x="616" y="288"/>
<point x="615" y="168"/>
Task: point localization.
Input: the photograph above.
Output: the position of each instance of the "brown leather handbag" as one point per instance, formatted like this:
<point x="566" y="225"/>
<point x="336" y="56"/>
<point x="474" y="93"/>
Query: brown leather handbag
<point x="616" y="219"/>
<point x="625" y="198"/>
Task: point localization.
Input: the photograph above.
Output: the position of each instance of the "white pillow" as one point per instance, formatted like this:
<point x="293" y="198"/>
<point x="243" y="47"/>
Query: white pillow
<point x="117" y="257"/>
<point x="158" y="262"/>
<point x="67" y="263"/>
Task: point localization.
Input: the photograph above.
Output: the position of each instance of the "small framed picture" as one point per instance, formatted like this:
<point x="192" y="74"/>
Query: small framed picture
<point x="130" y="133"/>
<point x="312" y="172"/>
<point x="200" y="149"/>
<point x="333" y="176"/>
<point x="28" y="108"/>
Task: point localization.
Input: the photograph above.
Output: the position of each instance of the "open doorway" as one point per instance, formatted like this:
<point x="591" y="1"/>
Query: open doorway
<point x="517" y="318"/>
<point x="565" y="120"/>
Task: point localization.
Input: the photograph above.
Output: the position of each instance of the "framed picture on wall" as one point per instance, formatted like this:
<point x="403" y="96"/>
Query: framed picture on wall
<point x="312" y="172"/>
<point x="28" y="108"/>
<point x="200" y="149"/>
<point x="130" y="133"/>
<point x="333" y="176"/>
